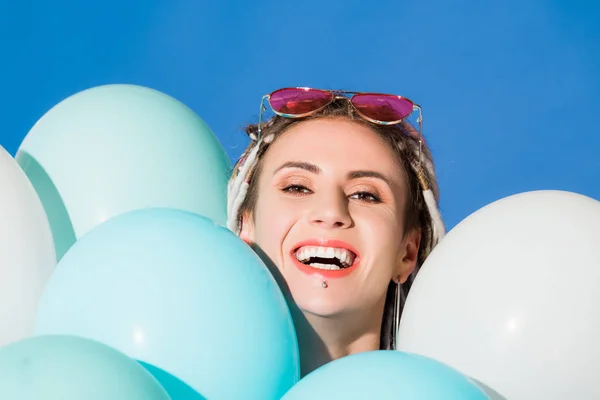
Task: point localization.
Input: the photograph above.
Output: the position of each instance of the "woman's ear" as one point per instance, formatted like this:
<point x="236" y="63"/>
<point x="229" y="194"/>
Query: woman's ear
<point x="409" y="254"/>
<point x="247" y="229"/>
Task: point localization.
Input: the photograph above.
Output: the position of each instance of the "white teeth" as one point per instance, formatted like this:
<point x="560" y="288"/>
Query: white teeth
<point x="331" y="267"/>
<point x="306" y="252"/>
<point x="321" y="252"/>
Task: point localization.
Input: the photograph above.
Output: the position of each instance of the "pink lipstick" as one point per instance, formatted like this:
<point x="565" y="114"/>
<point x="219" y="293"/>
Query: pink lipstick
<point x="328" y="258"/>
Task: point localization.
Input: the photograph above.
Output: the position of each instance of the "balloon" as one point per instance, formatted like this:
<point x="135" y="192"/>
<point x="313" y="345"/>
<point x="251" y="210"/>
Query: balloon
<point x="383" y="375"/>
<point x="72" y="368"/>
<point x="174" y="290"/>
<point x="177" y="389"/>
<point x="510" y="297"/>
<point x="117" y="148"/>
<point x="27" y="255"/>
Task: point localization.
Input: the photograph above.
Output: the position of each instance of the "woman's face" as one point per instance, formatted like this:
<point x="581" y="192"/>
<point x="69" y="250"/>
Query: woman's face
<point x="329" y="215"/>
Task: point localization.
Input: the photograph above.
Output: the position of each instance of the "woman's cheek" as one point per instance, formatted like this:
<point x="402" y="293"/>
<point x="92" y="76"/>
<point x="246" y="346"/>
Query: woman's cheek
<point x="381" y="230"/>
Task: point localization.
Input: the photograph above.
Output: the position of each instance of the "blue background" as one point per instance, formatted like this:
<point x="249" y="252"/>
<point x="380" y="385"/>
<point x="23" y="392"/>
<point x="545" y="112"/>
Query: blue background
<point x="509" y="89"/>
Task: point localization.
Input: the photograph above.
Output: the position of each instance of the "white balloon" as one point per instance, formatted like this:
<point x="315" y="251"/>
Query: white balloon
<point x="27" y="256"/>
<point x="511" y="297"/>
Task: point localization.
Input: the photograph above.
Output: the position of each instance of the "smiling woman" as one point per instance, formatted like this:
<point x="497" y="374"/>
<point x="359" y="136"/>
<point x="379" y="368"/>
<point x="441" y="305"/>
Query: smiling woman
<point x="337" y="192"/>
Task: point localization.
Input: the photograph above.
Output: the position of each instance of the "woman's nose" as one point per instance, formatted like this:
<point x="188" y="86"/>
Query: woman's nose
<point x="331" y="211"/>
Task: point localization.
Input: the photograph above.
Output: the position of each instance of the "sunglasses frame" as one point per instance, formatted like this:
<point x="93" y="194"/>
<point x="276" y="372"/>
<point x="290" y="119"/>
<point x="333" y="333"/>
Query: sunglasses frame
<point x="338" y="94"/>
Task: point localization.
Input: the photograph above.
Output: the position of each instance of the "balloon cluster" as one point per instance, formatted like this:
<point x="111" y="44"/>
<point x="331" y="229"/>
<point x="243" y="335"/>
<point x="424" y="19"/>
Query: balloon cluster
<point x="119" y="281"/>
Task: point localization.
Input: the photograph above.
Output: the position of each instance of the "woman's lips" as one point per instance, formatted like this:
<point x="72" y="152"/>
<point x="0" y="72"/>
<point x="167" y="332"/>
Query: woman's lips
<point x="326" y="243"/>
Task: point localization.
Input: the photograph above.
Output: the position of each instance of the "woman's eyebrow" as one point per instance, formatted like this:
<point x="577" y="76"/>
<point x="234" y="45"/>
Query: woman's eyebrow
<point x="369" y="174"/>
<point x="299" y="164"/>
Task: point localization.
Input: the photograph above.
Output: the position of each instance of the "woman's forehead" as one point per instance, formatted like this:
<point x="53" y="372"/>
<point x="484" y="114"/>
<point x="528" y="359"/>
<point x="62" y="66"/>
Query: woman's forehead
<point x="332" y="142"/>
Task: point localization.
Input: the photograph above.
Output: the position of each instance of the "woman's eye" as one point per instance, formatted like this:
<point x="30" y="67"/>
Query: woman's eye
<point x="296" y="189"/>
<point x="366" y="196"/>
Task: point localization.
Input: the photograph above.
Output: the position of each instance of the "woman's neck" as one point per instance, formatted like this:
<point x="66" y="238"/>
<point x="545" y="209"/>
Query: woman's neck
<point x="322" y="340"/>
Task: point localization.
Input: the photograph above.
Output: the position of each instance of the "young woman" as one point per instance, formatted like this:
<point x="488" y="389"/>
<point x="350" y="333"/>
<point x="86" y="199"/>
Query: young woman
<point x="337" y="193"/>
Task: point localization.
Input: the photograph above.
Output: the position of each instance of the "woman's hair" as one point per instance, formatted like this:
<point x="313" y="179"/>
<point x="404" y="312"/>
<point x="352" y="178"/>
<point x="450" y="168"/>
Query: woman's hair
<point x="421" y="210"/>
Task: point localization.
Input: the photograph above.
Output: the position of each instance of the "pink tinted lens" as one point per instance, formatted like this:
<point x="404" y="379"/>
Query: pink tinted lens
<point x="298" y="101"/>
<point x="382" y="107"/>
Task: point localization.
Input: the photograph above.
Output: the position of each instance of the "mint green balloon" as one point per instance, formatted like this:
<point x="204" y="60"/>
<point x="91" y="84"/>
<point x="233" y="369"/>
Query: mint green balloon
<point x="117" y="148"/>
<point x="57" y="367"/>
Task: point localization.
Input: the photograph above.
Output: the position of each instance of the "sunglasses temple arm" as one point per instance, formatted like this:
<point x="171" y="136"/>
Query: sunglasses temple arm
<point x="420" y="121"/>
<point x="260" y="114"/>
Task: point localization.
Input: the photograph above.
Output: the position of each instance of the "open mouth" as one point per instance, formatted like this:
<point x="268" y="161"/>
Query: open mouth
<point x="325" y="258"/>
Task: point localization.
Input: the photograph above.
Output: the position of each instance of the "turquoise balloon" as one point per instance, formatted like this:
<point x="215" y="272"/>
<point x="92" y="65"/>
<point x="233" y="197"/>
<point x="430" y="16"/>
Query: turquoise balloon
<point x="385" y="375"/>
<point x="117" y="148"/>
<point x="72" y="368"/>
<point x="181" y="294"/>
<point x="177" y="389"/>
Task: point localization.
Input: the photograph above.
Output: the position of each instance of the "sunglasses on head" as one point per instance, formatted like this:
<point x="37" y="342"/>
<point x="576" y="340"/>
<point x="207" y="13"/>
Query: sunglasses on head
<point x="377" y="108"/>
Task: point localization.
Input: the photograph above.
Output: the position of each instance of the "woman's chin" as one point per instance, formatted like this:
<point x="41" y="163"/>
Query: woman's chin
<point x="320" y="296"/>
<point x="322" y="306"/>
